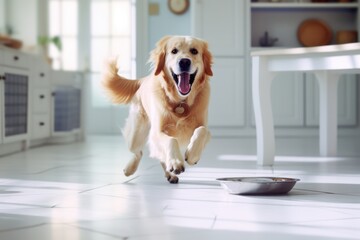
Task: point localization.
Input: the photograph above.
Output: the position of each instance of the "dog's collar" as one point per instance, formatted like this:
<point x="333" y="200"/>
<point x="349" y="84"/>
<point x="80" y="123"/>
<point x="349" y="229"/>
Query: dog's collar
<point x="181" y="110"/>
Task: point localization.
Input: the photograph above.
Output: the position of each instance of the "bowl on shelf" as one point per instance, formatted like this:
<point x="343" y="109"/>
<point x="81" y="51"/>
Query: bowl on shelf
<point x="346" y="37"/>
<point x="314" y="32"/>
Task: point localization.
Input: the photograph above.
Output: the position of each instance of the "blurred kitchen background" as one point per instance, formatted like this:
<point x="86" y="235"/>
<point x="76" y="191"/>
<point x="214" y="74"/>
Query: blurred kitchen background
<point x="55" y="49"/>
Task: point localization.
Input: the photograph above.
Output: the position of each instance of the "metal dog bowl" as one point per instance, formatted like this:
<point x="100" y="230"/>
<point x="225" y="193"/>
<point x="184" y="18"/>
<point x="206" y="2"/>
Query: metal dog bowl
<point x="257" y="185"/>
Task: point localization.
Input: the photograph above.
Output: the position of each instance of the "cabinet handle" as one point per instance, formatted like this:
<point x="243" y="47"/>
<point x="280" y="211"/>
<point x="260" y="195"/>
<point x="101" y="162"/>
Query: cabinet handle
<point x="41" y="123"/>
<point x="42" y="96"/>
<point x="16" y="58"/>
<point x="53" y="94"/>
<point x="42" y="74"/>
<point x="3" y="77"/>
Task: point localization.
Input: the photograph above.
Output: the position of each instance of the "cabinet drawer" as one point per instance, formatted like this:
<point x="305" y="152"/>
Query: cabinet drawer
<point x="16" y="59"/>
<point x="40" y="126"/>
<point x="41" y="100"/>
<point x="42" y="74"/>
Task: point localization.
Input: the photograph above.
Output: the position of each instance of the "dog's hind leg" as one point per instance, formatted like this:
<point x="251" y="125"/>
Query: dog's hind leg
<point x="136" y="133"/>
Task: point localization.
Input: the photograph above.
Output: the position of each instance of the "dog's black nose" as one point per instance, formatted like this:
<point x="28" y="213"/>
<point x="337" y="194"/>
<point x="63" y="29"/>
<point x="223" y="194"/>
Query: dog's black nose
<point x="184" y="64"/>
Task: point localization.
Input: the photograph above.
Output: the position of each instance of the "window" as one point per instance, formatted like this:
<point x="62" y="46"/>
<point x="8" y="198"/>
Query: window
<point x="111" y="35"/>
<point x="63" y="18"/>
<point x="109" y="28"/>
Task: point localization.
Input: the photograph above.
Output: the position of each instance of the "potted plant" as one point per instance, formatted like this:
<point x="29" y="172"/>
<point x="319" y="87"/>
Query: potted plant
<point x="45" y="41"/>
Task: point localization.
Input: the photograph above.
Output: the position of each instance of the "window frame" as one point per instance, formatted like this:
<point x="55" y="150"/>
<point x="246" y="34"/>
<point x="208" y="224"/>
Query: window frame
<point x="140" y="31"/>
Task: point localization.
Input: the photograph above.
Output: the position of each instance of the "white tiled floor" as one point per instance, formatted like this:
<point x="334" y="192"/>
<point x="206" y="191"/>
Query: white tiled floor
<point x="78" y="191"/>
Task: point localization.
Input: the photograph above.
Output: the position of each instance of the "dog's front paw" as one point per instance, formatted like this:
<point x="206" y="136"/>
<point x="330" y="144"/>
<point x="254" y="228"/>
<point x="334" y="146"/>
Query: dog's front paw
<point x="197" y="144"/>
<point x="175" y="166"/>
<point x="174" y="159"/>
<point x="133" y="164"/>
<point x="192" y="155"/>
<point x="172" y="178"/>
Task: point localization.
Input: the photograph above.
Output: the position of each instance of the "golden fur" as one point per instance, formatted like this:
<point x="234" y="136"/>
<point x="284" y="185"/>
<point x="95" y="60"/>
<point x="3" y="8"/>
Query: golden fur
<point x="169" y="107"/>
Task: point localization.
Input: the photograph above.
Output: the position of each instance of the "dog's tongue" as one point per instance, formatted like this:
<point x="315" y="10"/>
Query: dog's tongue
<point x="184" y="83"/>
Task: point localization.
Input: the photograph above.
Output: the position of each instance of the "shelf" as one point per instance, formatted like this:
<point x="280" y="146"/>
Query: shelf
<point x="304" y="5"/>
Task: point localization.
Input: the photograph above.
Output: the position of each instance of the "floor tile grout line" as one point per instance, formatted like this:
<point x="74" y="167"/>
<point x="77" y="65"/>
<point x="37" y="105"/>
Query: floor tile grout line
<point x="99" y="232"/>
<point x="326" y="192"/>
<point x="323" y="220"/>
<point x="25" y="227"/>
<point x="47" y="170"/>
<point x="213" y="223"/>
<point x="91" y="189"/>
<point x="26" y="205"/>
<point x="128" y="181"/>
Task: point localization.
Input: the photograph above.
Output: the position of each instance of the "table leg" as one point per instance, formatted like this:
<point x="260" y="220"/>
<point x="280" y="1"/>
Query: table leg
<point x="261" y="91"/>
<point x="328" y="112"/>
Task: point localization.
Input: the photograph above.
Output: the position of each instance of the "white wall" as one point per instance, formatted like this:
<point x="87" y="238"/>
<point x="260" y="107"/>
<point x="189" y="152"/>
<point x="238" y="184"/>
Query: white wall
<point x="2" y="16"/>
<point x="22" y="17"/>
<point x="167" y="23"/>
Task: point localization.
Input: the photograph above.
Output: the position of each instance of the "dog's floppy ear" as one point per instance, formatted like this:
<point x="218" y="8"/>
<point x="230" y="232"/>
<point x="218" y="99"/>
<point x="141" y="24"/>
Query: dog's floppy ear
<point x="207" y="59"/>
<point x="160" y="63"/>
<point x="157" y="56"/>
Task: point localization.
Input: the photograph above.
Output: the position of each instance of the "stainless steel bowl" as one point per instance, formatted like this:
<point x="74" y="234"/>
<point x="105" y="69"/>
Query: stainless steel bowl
<point x="257" y="185"/>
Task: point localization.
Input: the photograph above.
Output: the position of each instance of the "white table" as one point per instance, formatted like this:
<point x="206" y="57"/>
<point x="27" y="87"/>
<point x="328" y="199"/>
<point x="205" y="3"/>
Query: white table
<point x="327" y="62"/>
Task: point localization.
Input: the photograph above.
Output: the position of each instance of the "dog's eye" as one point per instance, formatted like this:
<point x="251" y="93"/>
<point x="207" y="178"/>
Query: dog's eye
<point x="194" y="51"/>
<point x="174" y="51"/>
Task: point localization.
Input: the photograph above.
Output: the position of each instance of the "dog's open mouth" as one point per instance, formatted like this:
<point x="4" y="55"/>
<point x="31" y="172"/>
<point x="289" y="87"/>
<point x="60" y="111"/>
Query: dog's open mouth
<point x="184" y="81"/>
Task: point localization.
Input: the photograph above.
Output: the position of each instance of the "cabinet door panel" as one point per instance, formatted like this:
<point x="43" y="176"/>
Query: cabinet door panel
<point x="288" y="99"/>
<point x="347" y="107"/>
<point x="15" y="104"/>
<point x="227" y="101"/>
<point x="222" y="24"/>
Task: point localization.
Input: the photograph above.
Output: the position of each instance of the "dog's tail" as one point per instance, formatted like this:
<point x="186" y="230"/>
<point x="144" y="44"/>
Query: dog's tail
<point x="119" y="89"/>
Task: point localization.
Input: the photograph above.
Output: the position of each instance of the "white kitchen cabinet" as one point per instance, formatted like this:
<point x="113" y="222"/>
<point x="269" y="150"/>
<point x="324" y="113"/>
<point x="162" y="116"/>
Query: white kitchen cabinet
<point x="40" y="126"/>
<point x="14" y="96"/>
<point x="347" y="100"/>
<point x="67" y="105"/>
<point x="234" y="27"/>
<point x="227" y="101"/>
<point x="41" y="101"/>
<point x="27" y="102"/>
<point x="287" y="95"/>
<point x="222" y="24"/>
<point x="295" y="100"/>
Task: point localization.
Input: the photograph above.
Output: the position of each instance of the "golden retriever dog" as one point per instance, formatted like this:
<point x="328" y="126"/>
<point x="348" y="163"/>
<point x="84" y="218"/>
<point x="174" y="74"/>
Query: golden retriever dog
<point x="169" y="107"/>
